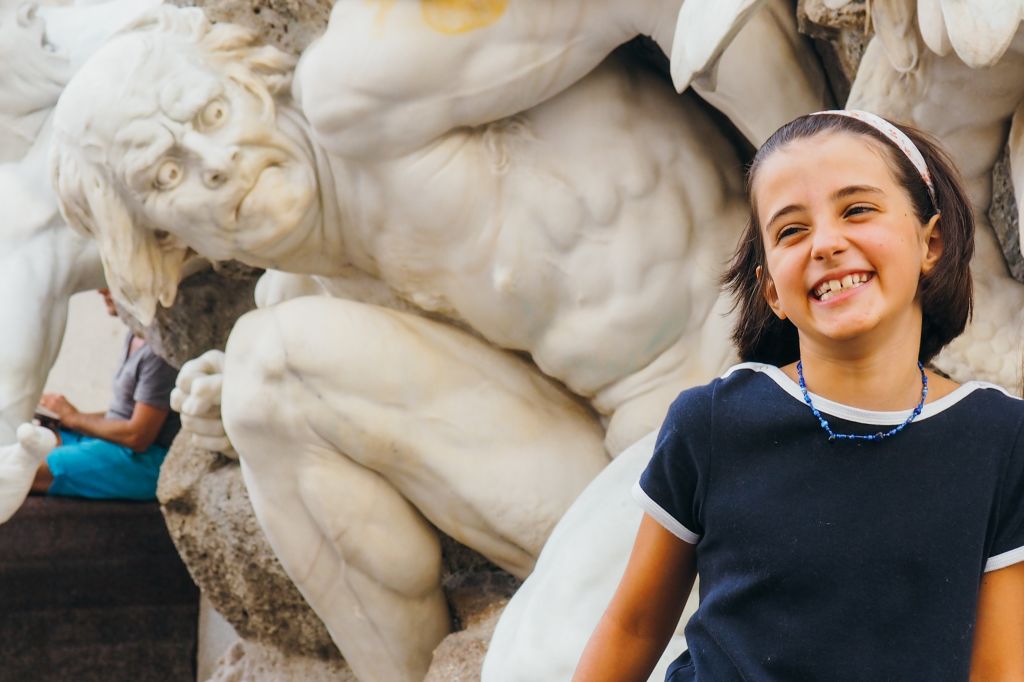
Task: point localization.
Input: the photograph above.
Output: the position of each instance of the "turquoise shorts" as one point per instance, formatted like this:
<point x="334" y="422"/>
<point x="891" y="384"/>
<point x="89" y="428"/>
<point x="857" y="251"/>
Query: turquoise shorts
<point x="95" y="468"/>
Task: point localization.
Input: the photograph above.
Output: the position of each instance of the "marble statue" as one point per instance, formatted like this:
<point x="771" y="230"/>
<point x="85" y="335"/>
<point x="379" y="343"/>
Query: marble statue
<point x="42" y="262"/>
<point x="515" y="241"/>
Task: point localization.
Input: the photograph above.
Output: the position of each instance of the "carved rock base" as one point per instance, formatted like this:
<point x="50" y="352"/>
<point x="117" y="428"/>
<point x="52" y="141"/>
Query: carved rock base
<point x="247" y="661"/>
<point x="211" y="521"/>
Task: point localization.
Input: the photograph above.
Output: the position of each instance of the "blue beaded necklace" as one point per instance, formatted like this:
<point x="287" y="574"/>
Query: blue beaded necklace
<point x="832" y="435"/>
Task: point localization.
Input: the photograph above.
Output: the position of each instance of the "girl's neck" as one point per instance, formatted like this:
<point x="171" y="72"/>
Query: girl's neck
<point x="881" y="381"/>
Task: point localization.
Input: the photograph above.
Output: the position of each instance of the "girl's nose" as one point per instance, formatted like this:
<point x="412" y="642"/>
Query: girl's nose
<point x="828" y="241"/>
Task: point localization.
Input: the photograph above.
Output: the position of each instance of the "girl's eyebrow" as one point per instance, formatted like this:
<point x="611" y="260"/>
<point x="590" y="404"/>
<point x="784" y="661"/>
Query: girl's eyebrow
<point x="855" y="189"/>
<point x="836" y="196"/>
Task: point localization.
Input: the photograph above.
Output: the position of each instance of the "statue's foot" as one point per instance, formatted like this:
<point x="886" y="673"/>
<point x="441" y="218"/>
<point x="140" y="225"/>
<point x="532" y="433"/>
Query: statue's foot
<point x="37" y="441"/>
<point x="18" y="465"/>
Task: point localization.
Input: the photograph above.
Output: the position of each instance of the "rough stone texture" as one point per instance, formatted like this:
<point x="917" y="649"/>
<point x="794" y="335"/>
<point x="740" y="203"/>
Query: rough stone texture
<point x="1002" y="213"/>
<point x="247" y="661"/>
<point x="289" y="24"/>
<point x="840" y="37"/>
<point x="210" y="519"/>
<point x="477" y="602"/>
<point x="205" y="310"/>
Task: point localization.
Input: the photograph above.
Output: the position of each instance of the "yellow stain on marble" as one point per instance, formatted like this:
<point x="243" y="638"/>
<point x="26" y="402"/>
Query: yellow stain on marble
<point x="383" y="9"/>
<point x="461" y="16"/>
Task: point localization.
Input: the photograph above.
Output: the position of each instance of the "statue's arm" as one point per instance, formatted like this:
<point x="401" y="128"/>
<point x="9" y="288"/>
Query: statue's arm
<point x="387" y="78"/>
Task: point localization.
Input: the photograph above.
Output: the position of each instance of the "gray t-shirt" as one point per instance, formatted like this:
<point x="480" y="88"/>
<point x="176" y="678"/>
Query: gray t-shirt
<point x="145" y="377"/>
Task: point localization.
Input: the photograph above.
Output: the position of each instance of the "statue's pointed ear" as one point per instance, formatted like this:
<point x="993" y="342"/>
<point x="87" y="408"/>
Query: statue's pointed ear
<point x="274" y="66"/>
<point x="704" y="28"/>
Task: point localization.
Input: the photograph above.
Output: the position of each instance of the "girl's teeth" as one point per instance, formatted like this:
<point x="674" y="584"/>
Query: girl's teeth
<point x="829" y="288"/>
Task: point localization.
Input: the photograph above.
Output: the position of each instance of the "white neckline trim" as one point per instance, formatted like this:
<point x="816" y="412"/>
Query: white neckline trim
<point x="857" y="414"/>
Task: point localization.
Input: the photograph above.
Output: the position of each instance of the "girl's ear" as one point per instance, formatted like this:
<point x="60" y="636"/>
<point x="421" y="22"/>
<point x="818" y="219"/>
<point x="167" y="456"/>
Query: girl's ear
<point x="771" y="295"/>
<point x="931" y="244"/>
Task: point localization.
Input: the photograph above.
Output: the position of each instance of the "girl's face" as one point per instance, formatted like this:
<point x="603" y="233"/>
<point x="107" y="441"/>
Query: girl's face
<point x="844" y="249"/>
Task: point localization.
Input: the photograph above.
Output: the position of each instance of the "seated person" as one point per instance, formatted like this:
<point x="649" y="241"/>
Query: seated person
<point x="117" y="454"/>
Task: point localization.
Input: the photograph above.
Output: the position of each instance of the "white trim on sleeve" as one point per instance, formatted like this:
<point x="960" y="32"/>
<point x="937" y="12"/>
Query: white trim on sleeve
<point x="1005" y="559"/>
<point x="663" y="517"/>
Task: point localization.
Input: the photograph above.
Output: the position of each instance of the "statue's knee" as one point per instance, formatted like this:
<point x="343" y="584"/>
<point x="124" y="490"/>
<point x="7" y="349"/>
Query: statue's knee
<point x="255" y="370"/>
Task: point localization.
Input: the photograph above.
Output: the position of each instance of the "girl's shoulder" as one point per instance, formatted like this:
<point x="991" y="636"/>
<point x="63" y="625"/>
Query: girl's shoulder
<point x="748" y="381"/>
<point x="993" y="396"/>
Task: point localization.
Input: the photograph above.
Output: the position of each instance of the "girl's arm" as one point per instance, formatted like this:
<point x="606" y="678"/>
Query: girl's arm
<point x="645" y="610"/>
<point x="999" y="633"/>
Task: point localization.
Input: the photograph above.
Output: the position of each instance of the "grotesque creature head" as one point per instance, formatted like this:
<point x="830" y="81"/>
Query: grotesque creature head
<point x="168" y="141"/>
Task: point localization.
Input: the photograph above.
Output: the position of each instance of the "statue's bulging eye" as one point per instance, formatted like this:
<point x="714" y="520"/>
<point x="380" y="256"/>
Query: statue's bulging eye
<point x="213" y="114"/>
<point x="168" y="175"/>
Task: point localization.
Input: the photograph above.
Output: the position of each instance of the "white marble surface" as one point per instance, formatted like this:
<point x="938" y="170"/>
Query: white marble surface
<point x="41" y="261"/>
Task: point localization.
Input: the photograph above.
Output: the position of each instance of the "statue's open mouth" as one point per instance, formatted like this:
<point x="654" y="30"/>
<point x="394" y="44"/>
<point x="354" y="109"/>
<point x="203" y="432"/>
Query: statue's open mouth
<point x="252" y="188"/>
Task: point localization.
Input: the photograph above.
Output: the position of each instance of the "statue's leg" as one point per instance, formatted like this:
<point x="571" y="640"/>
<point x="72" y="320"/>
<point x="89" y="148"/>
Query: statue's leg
<point x="346" y="415"/>
<point x="363" y="557"/>
<point x="38" y="273"/>
<point x="543" y="630"/>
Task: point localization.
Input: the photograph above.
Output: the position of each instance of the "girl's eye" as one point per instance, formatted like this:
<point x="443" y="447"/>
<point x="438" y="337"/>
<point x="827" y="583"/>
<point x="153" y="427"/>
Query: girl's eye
<point x="213" y="114"/>
<point x="168" y="175"/>
<point x="787" y="231"/>
<point x="857" y="210"/>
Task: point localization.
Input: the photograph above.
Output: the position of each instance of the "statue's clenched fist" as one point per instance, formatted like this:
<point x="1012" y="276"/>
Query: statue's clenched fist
<point x="196" y="396"/>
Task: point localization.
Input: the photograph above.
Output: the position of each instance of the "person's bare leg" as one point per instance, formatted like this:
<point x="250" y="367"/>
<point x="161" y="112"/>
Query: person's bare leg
<point x="44" y="478"/>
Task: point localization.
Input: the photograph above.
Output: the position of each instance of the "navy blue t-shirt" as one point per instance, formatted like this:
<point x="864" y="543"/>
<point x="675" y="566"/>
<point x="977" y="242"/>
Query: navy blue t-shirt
<point x="841" y="560"/>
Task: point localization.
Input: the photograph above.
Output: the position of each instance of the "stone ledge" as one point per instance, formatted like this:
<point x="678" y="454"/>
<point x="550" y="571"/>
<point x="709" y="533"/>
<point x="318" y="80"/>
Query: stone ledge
<point x="91" y="591"/>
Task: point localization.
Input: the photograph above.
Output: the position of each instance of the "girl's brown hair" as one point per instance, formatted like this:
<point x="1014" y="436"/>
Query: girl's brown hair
<point x="945" y="292"/>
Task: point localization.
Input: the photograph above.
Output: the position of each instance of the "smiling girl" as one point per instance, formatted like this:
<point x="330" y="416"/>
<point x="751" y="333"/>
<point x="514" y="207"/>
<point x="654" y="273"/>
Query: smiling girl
<point x="851" y="514"/>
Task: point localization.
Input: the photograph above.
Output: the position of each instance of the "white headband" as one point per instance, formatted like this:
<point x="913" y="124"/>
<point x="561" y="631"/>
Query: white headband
<point x="897" y="137"/>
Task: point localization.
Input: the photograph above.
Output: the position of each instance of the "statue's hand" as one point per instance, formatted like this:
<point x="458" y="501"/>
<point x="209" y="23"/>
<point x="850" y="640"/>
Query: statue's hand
<point x="196" y="396"/>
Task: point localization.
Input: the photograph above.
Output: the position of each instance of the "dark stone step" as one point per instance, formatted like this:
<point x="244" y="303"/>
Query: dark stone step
<point x="94" y="590"/>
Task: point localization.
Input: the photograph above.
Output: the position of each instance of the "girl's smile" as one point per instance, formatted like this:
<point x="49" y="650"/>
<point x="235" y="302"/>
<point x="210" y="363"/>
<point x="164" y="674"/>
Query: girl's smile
<point x="838" y="285"/>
